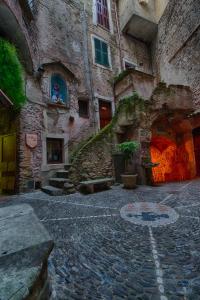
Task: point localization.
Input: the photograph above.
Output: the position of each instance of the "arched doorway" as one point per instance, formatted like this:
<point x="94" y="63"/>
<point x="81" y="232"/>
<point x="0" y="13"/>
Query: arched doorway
<point x="172" y="147"/>
<point x="11" y="33"/>
<point x="196" y="139"/>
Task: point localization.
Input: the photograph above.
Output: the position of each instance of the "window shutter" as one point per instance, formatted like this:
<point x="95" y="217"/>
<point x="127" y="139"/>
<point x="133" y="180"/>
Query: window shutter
<point x="102" y="13"/>
<point x="101" y="52"/>
<point x="97" y="44"/>
<point x="105" y="54"/>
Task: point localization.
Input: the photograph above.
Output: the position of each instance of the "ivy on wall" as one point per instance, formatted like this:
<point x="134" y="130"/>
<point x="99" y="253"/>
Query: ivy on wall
<point x="133" y="105"/>
<point x="11" y="74"/>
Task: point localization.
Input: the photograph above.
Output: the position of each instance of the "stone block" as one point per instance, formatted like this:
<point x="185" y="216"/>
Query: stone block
<point x="25" y="246"/>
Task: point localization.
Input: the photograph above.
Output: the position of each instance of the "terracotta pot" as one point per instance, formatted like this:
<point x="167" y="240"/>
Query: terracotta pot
<point x="129" y="181"/>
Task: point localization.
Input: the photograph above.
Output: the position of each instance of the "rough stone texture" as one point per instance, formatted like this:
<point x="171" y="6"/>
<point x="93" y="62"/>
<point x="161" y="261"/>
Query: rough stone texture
<point x="137" y="81"/>
<point x="94" y="161"/>
<point x="99" y="255"/>
<point x="24" y="249"/>
<point x="177" y="46"/>
<point x="59" y="40"/>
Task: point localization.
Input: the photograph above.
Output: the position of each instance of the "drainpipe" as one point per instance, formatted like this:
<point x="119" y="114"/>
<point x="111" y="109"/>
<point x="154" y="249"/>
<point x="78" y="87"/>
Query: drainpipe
<point x="88" y="68"/>
<point x="118" y="34"/>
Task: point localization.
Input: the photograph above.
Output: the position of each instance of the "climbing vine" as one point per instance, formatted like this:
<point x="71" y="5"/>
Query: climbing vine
<point x="121" y="76"/>
<point x="128" y="105"/>
<point x="11" y="74"/>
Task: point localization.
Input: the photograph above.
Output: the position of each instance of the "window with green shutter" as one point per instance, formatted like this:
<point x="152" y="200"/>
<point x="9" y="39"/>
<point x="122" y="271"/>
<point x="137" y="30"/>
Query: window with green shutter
<point x="101" y="53"/>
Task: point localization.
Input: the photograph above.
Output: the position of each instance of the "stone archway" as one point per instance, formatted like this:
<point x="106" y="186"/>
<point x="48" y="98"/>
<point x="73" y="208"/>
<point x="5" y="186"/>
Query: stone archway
<point x="196" y="139"/>
<point x="12" y="30"/>
<point x="8" y="145"/>
<point x="172" y="147"/>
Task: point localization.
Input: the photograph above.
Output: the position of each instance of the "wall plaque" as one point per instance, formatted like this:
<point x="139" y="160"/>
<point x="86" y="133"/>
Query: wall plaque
<point x="31" y="140"/>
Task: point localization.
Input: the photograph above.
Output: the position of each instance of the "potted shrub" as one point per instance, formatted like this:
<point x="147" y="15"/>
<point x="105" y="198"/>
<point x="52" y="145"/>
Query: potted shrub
<point x="128" y="149"/>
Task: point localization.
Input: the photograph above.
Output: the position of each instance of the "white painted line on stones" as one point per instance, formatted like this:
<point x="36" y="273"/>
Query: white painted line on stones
<point x="184" y="216"/>
<point x="78" y="204"/>
<point x="159" y="271"/>
<point x="183" y="187"/>
<point x="89" y="205"/>
<point x="79" y="218"/>
<point x="166" y="198"/>
<point x="185" y="206"/>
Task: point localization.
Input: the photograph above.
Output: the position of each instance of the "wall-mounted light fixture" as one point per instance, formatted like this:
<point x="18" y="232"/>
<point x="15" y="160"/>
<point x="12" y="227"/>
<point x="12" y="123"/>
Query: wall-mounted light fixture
<point x="143" y="2"/>
<point x="39" y="72"/>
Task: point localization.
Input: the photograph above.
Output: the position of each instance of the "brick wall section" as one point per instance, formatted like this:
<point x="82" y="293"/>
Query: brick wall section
<point x="177" y="47"/>
<point x="30" y="159"/>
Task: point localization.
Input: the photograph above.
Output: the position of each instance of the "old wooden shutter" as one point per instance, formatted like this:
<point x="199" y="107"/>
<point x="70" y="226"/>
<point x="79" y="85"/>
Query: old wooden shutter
<point x="102" y="13"/>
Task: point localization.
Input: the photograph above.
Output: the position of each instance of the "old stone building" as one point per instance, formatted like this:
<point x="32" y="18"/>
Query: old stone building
<point x="71" y="51"/>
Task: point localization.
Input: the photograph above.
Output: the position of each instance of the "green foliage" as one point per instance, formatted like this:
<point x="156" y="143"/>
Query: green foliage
<point x="129" y="148"/>
<point x="11" y="74"/>
<point x="130" y="105"/>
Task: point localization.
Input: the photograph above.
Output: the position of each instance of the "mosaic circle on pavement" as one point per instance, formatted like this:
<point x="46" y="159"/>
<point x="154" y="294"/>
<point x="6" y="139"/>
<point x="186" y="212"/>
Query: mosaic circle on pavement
<point x="149" y="214"/>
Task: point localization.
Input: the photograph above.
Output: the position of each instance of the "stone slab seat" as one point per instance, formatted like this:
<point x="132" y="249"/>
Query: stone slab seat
<point x="25" y="246"/>
<point x="52" y="191"/>
<point x="98" y="184"/>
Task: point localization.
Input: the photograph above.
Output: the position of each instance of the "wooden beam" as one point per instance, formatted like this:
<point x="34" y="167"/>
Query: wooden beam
<point x="4" y="100"/>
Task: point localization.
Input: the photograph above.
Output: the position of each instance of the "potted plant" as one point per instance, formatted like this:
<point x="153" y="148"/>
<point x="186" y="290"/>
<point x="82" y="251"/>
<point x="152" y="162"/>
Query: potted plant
<point x="128" y="149"/>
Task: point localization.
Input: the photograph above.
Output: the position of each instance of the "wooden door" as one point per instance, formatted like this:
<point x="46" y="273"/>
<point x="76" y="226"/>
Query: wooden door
<point x="7" y="163"/>
<point x="196" y="138"/>
<point x="105" y="113"/>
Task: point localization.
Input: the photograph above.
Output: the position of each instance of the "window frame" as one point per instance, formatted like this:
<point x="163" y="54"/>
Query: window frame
<point x="93" y="37"/>
<point x="62" y="151"/>
<point x="129" y="62"/>
<point x="82" y="115"/>
<point x="95" y="18"/>
<point x="102" y="11"/>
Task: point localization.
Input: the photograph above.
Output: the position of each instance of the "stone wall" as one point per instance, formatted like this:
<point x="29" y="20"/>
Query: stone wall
<point x="177" y="46"/>
<point x="94" y="160"/>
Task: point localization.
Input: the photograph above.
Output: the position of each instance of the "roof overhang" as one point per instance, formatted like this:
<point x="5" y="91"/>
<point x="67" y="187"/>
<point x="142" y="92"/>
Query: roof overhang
<point x="4" y="100"/>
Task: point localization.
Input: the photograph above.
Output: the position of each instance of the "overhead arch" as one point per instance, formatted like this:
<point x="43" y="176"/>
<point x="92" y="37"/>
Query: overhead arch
<point x="11" y="30"/>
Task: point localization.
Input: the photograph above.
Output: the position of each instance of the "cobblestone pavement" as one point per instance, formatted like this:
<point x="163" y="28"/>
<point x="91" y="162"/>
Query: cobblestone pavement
<point x="121" y="244"/>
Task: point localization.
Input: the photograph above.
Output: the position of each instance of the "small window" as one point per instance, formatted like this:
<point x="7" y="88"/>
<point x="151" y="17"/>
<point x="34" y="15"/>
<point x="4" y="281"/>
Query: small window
<point x="54" y="151"/>
<point x="83" y="108"/>
<point x="102" y="13"/>
<point x="101" y="53"/>
<point x="59" y="94"/>
<point x="129" y="65"/>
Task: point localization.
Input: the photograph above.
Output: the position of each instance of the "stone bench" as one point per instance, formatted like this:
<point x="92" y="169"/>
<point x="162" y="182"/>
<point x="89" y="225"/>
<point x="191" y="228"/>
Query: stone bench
<point x="25" y="246"/>
<point x="91" y="186"/>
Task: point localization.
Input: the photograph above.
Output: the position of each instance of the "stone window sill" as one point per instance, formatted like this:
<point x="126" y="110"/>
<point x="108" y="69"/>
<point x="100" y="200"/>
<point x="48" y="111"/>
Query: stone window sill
<point x="57" y="105"/>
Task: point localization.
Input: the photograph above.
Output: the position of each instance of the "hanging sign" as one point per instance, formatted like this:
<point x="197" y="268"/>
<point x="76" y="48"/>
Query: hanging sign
<point x="31" y="140"/>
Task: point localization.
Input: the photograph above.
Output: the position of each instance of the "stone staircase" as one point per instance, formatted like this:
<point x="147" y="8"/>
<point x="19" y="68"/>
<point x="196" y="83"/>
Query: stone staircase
<point x="60" y="184"/>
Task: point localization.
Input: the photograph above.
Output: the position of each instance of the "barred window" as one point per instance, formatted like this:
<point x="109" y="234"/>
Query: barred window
<point x="102" y="13"/>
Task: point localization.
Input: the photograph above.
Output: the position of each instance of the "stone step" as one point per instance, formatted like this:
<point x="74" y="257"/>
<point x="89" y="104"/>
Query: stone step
<point x="62" y="174"/>
<point x="52" y="191"/>
<point x="68" y="186"/>
<point x="67" y="167"/>
<point x="58" y="182"/>
<point x="69" y="192"/>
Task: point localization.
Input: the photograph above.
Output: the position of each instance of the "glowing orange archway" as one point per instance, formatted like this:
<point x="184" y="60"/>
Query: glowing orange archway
<point x="175" y="159"/>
